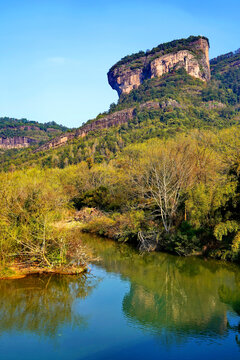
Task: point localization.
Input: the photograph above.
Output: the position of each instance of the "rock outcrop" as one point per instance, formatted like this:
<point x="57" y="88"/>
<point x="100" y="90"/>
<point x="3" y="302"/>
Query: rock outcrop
<point x="57" y="141"/>
<point x="115" y="119"/>
<point x="15" y="142"/>
<point x="191" y="55"/>
<point x="22" y="133"/>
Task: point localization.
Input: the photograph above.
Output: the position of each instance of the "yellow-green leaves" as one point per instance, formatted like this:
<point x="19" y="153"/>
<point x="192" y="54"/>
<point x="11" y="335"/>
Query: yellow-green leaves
<point x="224" y="228"/>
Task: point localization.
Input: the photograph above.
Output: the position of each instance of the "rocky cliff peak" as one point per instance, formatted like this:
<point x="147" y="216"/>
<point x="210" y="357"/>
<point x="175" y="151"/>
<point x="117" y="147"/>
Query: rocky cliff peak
<point x="190" y="54"/>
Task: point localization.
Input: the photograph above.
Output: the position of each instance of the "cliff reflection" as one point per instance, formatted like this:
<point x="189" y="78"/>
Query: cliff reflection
<point x="42" y="304"/>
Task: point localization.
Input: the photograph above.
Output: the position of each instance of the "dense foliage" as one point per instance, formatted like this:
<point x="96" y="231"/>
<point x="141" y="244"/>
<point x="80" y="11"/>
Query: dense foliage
<point x="181" y="195"/>
<point x="33" y="204"/>
<point x="226" y="69"/>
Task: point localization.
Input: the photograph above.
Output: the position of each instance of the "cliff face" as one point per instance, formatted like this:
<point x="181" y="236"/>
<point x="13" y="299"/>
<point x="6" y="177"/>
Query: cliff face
<point x="105" y="122"/>
<point x="15" y="142"/>
<point x="21" y="133"/>
<point x="193" y="56"/>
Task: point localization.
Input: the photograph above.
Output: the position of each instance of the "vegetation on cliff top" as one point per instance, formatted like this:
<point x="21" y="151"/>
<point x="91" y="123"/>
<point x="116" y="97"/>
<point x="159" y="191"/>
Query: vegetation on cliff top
<point x="10" y="127"/>
<point x="162" y="49"/>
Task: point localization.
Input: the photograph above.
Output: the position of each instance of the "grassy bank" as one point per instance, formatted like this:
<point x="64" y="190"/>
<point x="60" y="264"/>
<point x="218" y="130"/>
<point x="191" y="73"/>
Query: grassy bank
<point x="18" y="271"/>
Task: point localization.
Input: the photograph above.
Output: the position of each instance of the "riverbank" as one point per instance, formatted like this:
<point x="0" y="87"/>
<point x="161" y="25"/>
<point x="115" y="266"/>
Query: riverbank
<point x="18" y="271"/>
<point x="109" y="226"/>
<point x="130" y="227"/>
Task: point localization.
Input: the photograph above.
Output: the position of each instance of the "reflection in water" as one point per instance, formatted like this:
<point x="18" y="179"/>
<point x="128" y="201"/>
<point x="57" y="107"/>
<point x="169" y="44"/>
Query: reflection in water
<point x="172" y="295"/>
<point x="169" y="299"/>
<point x="41" y="304"/>
<point x="232" y="297"/>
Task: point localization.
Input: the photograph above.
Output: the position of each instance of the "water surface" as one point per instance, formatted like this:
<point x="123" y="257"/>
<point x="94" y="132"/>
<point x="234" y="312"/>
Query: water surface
<point x="128" y="306"/>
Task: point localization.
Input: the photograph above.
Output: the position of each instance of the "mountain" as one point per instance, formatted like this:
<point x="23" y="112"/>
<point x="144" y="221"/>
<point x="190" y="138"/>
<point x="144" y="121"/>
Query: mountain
<point x="22" y="133"/>
<point x="160" y="168"/>
<point x="176" y="90"/>
<point x="132" y="71"/>
<point x="190" y="54"/>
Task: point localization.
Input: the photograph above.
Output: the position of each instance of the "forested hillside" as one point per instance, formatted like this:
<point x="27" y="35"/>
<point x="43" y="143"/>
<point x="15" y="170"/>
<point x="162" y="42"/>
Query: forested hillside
<point x="18" y="133"/>
<point x="22" y="127"/>
<point x="226" y="69"/>
<point x="182" y="103"/>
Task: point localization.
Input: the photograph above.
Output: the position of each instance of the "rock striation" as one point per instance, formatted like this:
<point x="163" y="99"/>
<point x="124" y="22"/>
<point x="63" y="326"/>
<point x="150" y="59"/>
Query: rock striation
<point x="16" y="142"/>
<point x="192" y="54"/>
<point x="22" y="133"/>
<point x="117" y="118"/>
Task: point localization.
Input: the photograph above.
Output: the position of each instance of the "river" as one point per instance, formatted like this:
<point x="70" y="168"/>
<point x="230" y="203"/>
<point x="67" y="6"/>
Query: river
<point x="128" y="306"/>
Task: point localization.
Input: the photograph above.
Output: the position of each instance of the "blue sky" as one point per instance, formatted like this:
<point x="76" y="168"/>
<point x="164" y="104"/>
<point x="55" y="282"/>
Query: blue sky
<point x="55" y="54"/>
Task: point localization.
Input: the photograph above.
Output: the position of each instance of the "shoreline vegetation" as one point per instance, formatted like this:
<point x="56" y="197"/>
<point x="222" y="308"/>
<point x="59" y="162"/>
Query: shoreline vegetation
<point x="180" y="195"/>
<point x="18" y="271"/>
